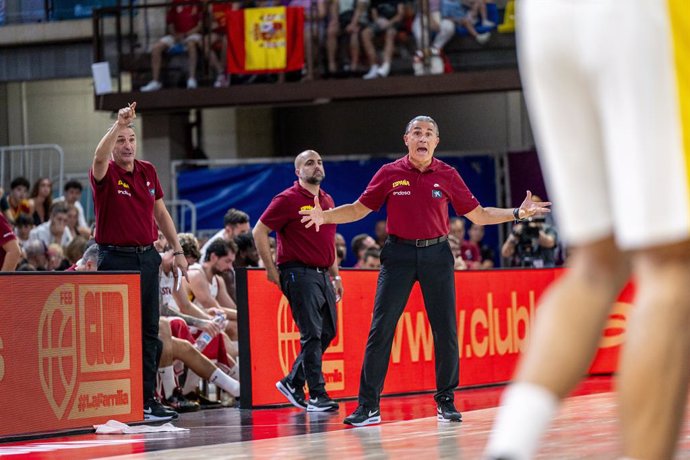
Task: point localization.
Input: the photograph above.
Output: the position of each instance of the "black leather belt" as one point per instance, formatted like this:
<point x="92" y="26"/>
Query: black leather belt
<point x="288" y="265"/>
<point x="130" y="249"/>
<point x="419" y="243"/>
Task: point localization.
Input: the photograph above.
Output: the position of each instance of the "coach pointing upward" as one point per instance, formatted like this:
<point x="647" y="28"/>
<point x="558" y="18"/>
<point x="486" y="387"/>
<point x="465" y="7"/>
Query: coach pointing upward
<point x="129" y="211"/>
<point x="417" y="189"/>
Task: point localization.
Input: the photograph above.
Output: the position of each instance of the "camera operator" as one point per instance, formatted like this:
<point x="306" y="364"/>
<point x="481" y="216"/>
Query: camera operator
<point x="532" y="243"/>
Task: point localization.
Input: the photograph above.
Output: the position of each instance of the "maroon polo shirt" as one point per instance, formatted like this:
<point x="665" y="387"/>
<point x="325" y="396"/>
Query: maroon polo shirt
<point x="6" y="235"/>
<point x="296" y="243"/>
<point x="418" y="201"/>
<point x="124" y="204"/>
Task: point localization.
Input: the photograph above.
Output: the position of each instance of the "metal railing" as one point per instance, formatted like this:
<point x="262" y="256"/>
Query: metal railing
<point x="183" y="213"/>
<point x="32" y="162"/>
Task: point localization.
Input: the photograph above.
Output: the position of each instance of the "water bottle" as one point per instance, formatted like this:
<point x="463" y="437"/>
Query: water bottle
<point x="205" y="337"/>
<point x="211" y="392"/>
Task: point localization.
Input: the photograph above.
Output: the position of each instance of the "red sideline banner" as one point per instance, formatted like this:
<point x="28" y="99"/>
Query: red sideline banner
<point x="495" y="312"/>
<point x="70" y="351"/>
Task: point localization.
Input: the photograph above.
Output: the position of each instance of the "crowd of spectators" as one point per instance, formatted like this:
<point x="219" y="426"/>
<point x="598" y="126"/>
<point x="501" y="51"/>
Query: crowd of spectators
<point x="52" y="233"/>
<point x="341" y="37"/>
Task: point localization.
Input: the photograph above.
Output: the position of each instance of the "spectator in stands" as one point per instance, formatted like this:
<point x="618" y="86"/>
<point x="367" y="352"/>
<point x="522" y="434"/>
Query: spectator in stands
<point x="10" y="253"/>
<point x="313" y="25"/>
<point x="442" y="30"/>
<point x="340" y="248"/>
<point x="40" y="199"/>
<point x="531" y="244"/>
<point x="55" y="229"/>
<point x="56" y="258"/>
<point x="456" y="12"/>
<point x="380" y="232"/>
<point x="89" y="260"/>
<point x="22" y="228"/>
<point x="208" y="287"/>
<point x="471" y="255"/>
<point x="184" y="22"/>
<point x="477" y="10"/>
<point x="372" y="259"/>
<point x="247" y="256"/>
<point x="347" y="17"/>
<point x="476" y="234"/>
<point x="386" y="18"/>
<point x="457" y="228"/>
<point x="73" y="222"/>
<point x="72" y="195"/>
<point x="17" y="200"/>
<point x="217" y="42"/>
<point x="235" y="222"/>
<point x="75" y="250"/>
<point x="35" y="256"/>
<point x="456" y="248"/>
<point x="359" y="244"/>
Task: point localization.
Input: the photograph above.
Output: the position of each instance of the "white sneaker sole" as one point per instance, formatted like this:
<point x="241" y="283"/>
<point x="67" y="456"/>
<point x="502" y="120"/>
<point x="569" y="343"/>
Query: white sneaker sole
<point x="311" y="408"/>
<point x="285" y="392"/>
<point x="370" y="421"/>
<point x="156" y="418"/>
<point x="440" y="418"/>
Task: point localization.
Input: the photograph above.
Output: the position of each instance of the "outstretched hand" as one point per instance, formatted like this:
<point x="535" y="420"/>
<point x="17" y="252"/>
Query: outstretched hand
<point x="313" y="216"/>
<point x="530" y="208"/>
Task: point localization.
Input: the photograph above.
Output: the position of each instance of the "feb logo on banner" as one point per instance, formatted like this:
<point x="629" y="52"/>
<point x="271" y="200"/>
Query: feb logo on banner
<point x="265" y="40"/>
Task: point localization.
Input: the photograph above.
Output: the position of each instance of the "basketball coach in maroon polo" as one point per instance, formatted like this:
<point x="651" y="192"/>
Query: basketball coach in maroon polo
<point x="417" y="189"/>
<point x="129" y="211"/>
<point x="305" y="259"/>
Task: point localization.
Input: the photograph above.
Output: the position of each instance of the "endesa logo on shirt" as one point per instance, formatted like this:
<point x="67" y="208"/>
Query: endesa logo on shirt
<point x="123" y="188"/>
<point x="399" y="183"/>
<point x="74" y="353"/>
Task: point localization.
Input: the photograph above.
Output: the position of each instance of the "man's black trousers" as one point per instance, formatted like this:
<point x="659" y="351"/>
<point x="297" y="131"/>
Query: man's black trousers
<point x="148" y="264"/>
<point x="401" y="266"/>
<point x="312" y="301"/>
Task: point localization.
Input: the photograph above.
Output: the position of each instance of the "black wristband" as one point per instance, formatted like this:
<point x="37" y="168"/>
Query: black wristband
<point x="516" y="214"/>
<point x="178" y="253"/>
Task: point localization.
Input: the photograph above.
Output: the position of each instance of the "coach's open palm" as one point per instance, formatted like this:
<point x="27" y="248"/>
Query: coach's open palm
<point x="534" y="207"/>
<point x="313" y="216"/>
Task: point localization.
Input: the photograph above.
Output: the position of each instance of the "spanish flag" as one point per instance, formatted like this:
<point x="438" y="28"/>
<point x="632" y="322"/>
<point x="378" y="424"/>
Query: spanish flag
<point x="265" y="40"/>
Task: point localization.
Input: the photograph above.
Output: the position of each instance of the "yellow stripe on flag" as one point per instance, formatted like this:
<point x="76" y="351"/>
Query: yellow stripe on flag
<point x="679" y="13"/>
<point x="265" y="33"/>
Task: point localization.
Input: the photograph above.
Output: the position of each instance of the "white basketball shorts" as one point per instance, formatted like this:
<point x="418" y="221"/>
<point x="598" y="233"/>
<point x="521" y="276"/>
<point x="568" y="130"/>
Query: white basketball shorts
<point x="607" y="85"/>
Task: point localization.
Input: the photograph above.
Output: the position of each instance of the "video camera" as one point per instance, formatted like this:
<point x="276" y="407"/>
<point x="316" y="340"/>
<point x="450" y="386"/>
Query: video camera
<point x="531" y="227"/>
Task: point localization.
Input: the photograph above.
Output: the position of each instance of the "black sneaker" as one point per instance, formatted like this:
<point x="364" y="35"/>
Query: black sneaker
<point x="446" y="411"/>
<point x="322" y="403"/>
<point x="293" y="394"/>
<point x="179" y="403"/>
<point x="363" y="416"/>
<point x="154" y="411"/>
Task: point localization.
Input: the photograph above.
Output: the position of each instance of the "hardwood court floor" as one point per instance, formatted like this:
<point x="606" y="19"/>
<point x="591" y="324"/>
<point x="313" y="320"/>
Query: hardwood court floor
<point x="585" y="428"/>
